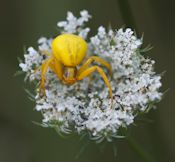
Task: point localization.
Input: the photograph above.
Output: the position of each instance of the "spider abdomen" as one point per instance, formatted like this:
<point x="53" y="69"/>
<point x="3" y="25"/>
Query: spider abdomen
<point x="69" y="49"/>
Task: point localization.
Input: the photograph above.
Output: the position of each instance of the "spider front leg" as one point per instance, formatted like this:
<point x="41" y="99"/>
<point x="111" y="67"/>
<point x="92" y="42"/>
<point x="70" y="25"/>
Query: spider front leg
<point x="90" y="70"/>
<point x="55" y="66"/>
<point x="97" y="59"/>
<point x="44" y="68"/>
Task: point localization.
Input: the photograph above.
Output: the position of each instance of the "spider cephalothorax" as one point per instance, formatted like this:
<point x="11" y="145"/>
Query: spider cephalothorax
<point x="68" y="51"/>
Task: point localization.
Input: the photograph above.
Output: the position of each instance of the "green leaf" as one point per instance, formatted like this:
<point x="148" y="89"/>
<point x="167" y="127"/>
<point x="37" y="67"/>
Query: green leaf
<point x="19" y="72"/>
<point x="146" y="49"/>
<point x="31" y="95"/>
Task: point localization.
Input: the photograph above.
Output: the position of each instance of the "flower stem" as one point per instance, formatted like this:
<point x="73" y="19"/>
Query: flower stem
<point x="145" y="156"/>
<point x="127" y="14"/>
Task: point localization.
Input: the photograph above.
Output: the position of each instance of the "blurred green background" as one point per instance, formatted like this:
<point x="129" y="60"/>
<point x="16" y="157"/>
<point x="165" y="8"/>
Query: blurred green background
<point x="22" y="22"/>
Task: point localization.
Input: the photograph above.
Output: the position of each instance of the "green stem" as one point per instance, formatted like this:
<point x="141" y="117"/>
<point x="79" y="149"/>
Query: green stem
<point x="145" y="156"/>
<point x="127" y="14"/>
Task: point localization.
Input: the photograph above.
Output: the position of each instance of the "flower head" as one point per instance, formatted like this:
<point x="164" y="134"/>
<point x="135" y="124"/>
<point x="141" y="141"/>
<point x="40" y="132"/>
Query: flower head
<point x="83" y="108"/>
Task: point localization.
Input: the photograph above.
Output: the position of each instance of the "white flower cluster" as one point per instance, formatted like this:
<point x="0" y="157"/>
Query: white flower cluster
<point x="75" y="25"/>
<point x="85" y="107"/>
<point x="32" y="60"/>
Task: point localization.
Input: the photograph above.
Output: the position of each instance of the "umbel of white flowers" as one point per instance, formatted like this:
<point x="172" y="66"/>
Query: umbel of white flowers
<point x="82" y="108"/>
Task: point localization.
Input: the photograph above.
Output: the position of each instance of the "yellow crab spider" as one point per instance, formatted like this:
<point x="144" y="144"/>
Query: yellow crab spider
<point x="68" y="51"/>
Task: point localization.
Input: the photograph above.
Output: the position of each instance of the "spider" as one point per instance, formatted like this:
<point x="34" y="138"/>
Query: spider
<point x="68" y="51"/>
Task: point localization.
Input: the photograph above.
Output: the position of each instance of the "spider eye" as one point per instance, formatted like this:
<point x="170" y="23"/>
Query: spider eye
<point x="66" y="74"/>
<point x="70" y="72"/>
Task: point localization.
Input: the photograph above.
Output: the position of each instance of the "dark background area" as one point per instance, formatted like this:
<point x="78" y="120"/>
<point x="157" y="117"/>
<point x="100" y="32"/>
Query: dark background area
<point x="22" y="22"/>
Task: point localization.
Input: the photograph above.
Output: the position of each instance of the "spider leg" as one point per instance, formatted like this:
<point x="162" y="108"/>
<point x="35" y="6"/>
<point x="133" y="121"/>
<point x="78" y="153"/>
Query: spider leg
<point x="97" y="59"/>
<point x="43" y="52"/>
<point x="90" y="70"/>
<point x="44" y="67"/>
<point x="57" y="68"/>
